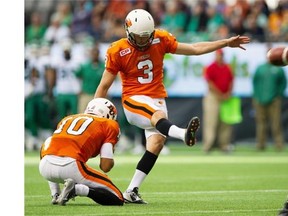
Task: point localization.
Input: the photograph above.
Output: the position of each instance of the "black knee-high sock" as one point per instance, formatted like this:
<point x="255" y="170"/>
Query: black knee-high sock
<point x="163" y="125"/>
<point x="147" y="162"/>
<point x="104" y="197"/>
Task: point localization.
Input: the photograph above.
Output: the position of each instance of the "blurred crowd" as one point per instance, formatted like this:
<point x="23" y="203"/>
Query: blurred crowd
<point x="102" y="20"/>
<point x="62" y="44"/>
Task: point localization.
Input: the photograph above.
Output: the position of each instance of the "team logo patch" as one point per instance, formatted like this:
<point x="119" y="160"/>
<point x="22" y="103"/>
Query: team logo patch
<point x="125" y="51"/>
<point x="156" y="40"/>
<point x="128" y="23"/>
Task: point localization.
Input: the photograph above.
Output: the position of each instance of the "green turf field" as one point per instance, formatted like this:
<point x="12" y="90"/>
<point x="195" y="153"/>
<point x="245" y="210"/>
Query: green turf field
<point x="185" y="182"/>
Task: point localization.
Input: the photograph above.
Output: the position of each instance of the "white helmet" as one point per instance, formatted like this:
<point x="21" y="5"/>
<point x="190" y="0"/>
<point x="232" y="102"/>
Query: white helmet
<point x="139" y="22"/>
<point x="102" y="107"/>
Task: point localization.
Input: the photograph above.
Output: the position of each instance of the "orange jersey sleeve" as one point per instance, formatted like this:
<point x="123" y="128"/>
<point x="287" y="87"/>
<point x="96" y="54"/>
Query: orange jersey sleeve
<point x="81" y="137"/>
<point x="141" y="71"/>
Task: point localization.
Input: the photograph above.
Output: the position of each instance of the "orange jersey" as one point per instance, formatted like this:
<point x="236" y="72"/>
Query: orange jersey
<point x="81" y="137"/>
<point x="141" y="71"/>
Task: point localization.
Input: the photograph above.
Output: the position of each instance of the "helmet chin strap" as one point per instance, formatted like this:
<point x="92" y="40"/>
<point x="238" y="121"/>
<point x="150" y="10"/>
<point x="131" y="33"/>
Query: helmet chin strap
<point x="138" y="47"/>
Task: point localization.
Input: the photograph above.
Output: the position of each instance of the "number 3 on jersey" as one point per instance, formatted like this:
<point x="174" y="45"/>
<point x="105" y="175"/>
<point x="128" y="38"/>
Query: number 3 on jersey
<point x="147" y="65"/>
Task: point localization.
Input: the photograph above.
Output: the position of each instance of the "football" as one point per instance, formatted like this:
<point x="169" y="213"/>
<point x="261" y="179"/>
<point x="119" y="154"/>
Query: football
<point x="278" y="56"/>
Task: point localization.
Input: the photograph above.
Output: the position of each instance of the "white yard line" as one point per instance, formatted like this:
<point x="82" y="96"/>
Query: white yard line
<point x="226" y="159"/>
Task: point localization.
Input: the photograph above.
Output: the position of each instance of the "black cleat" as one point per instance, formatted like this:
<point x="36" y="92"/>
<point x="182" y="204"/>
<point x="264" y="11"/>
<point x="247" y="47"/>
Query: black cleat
<point x="132" y="196"/>
<point x="284" y="211"/>
<point x="193" y="126"/>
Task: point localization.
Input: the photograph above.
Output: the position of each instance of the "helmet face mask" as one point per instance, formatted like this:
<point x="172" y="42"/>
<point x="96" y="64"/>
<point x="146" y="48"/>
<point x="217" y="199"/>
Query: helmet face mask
<point x="139" y="27"/>
<point x="141" y="42"/>
<point x="101" y="107"/>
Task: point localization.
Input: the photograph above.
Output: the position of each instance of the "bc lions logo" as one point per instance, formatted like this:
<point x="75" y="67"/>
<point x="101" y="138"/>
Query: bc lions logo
<point x="112" y="111"/>
<point x="128" y="23"/>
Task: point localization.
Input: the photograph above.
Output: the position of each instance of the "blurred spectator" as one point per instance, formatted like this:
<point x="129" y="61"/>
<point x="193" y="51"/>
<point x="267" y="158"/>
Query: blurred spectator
<point x="220" y="78"/>
<point x="262" y="5"/>
<point x="283" y="3"/>
<point x="158" y="11"/>
<point x="284" y="24"/>
<point x="236" y="26"/>
<point x="90" y="73"/>
<point x="269" y="83"/>
<point x="235" y="17"/>
<point x="284" y="27"/>
<point x="221" y="33"/>
<point x="56" y="32"/>
<point x="81" y="19"/>
<point x="198" y="22"/>
<point x="221" y="7"/>
<point x="36" y="30"/>
<point x="118" y="9"/>
<point x="239" y="9"/>
<point x="31" y="107"/>
<point x="115" y="13"/>
<point x="200" y="17"/>
<point x="174" y="20"/>
<point x="64" y="11"/>
<point x="141" y="4"/>
<point x="96" y="28"/>
<point x="261" y="12"/>
<point x="275" y="23"/>
<point x="44" y="67"/>
<point x="118" y="31"/>
<point x="215" y="20"/>
<point x="253" y="30"/>
<point x="67" y="86"/>
<point x="37" y="109"/>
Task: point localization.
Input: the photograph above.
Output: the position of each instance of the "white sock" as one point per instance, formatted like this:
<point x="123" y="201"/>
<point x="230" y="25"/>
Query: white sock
<point x="137" y="179"/>
<point x="54" y="188"/>
<point x="177" y="132"/>
<point x="81" y="190"/>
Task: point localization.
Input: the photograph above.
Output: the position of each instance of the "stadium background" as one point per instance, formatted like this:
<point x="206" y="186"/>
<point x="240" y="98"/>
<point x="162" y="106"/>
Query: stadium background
<point x="188" y="101"/>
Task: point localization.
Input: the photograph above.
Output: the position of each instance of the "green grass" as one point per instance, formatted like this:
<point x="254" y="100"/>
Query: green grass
<point x="185" y="182"/>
